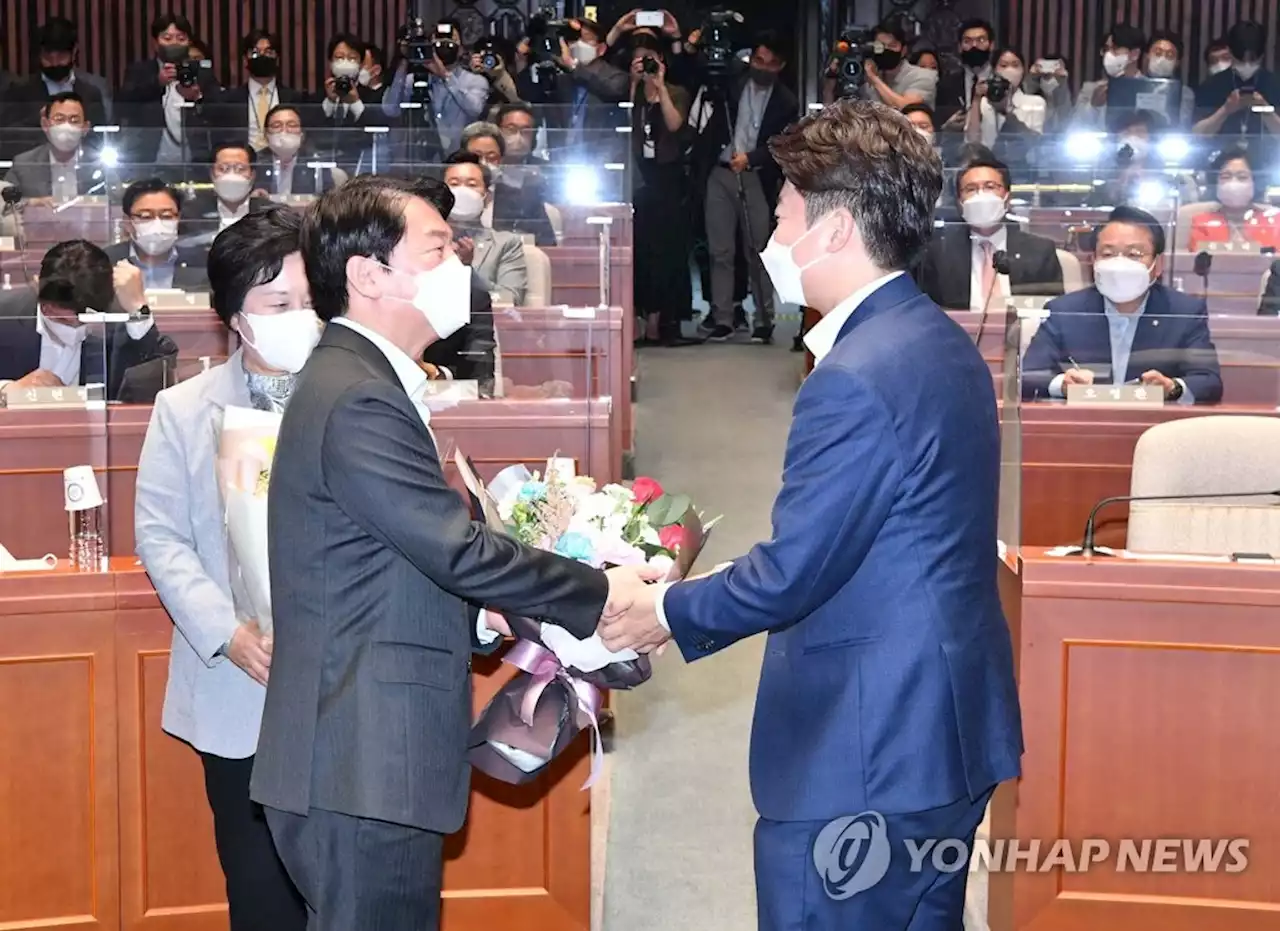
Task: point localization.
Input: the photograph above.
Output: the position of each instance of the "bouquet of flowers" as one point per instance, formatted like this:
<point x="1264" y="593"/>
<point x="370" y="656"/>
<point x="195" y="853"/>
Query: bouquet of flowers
<point x="558" y="691"/>
<point x="245" y="451"/>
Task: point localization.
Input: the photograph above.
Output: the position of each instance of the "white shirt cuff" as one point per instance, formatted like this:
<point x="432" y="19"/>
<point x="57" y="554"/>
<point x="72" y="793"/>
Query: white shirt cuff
<point x="140" y="327"/>
<point x="661" y="611"/>
<point x="356" y="109"/>
<point x="444" y="373"/>
<point x="1186" y="397"/>
<point x="484" y="634"/>
<point x="1056" y="388"/>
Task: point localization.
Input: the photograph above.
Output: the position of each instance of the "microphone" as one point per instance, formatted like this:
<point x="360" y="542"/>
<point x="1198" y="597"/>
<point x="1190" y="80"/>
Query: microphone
<point x="1086" y="545"/>
<point x="12" y="198"/>
<point x="1000" y="262"/>
<point x="1203" y="262"/>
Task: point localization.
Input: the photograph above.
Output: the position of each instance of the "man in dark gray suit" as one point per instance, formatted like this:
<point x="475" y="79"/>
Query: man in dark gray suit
<point x="377" y="575"/>
<point x="60" y="167"/>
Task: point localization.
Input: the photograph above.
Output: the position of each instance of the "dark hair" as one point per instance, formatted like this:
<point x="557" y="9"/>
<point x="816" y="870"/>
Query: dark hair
<point x="1127" y="37"/>
<point x="1008" y="50"/>
<point x="1247" y="37"/>
<point x="63" y="97"/>
<point x="165" y="20"/>
<point x="378" y="55"/>
<point x="1153" y="122"/>
<point x="293" y="108"/>
<point x="920" y="108"/>
<point x="1231" y="154"/>
<point x="892" y="27"/>
<point x="58" y="34"/>
<point x="249" y="253"/>
<point x="365" y="217"/>
<point x="237" y="144"/>
<point x="769" y="38"/>
<point x="470" y="158"/>
<point x="345" y="38"/>
<point x="518" y="107"/>
<point x="1132" y="216"/>
<point x="976" y="23"/>
<point x="76" y="275"/>
<point x="1165" y="35"/>
<point x="984" y="161"/>
<point x="145" y="186"/>
<point x="250" y="41"/>
<point x="869" y="160"/>
<point x="915" y="56"/>
<point x="1216" y="45"/>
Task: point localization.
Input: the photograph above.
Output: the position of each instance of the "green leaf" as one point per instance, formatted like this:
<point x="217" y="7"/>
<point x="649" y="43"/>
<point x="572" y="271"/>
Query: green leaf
<point x="673" y="508"/>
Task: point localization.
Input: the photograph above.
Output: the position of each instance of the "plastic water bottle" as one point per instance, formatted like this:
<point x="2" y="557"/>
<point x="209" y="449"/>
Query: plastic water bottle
<point x="88" y="548"/>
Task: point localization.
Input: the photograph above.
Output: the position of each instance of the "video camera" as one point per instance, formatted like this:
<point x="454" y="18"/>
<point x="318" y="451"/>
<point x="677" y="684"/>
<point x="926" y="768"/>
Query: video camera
<point x="848" y="63"/>
<point x="422" y="44"/>
<point x="716" y="51"/>
<point x="545" y="33"/>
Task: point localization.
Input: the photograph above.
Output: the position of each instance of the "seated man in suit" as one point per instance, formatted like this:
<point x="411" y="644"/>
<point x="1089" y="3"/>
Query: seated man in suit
<point x="61" y="168"/>
<point x="284" y="172"/>
<point x="235" y="177"/>
<point x="959" y="270"/>
<point x="43" y="343"/>
<point x="1129" y="327"/>
<point x="495" y="257"/>
<point x="154" y="208"/>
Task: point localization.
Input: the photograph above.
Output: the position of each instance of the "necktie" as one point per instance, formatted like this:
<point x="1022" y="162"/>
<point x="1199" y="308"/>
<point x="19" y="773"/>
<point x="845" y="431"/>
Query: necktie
<point x="259" y="140"/>
<point x="988" y="271"/>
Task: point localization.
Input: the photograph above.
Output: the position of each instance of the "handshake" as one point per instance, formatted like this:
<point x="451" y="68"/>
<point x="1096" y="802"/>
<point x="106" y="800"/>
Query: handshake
<point x="630" y="618"/>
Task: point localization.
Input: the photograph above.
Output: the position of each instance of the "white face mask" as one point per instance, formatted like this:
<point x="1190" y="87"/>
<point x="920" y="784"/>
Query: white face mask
<point x="927" y="133"/>
<point x="155" y="237"/>
<point x="1247" y="69"/>
<point x="1121" y="279"/>
<point x="1160" y="67"/>
<point x="584" y="53"/>
<point x="443" y="295"/>
<point x="64" y="138"/>
<point x="232" y="188"/>
<point x="517" y="145"/>
<point x="1049" y="85"/>
<point x="1219" y="66"/>
<point x="1114" y="63"/>
<point x="284" y="145"/>
<point x="366" y="77"/>
<point x="780" y="264"/>
<point x="468" y="204"/>
<point x="1235" y="194"/>
<point x="344" y="68"/>
<point x="983" y="210"/>
<point x="1012" y="75"/>
<point x="283" y="341"/>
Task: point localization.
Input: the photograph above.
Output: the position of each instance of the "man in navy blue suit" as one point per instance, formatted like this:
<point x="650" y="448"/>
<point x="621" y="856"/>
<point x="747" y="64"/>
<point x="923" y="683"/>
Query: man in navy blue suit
<point x="1126" y="328"/>
<point x="887" y="710"/>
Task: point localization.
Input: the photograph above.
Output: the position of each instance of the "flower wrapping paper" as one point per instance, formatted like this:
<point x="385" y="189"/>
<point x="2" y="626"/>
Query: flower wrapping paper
<point x="246" y="447"/>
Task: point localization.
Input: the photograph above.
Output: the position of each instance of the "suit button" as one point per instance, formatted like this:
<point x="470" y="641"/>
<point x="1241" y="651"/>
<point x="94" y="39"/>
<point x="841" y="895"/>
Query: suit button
<point x="468" y="665"/>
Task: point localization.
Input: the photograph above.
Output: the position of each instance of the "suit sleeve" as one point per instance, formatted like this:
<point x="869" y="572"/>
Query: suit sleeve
<point x="825" y="520"/>
<point x="1200" y="369"/>
<point x="604" y="80"/>
<point x="1043" y="360"/>
<point x="1270" y="305"/>
<point x="201" y="610"/>
<point x="126" y="353"/>
<point x="760" y="156"/>
<point x="512" y="275"/>
<point x="382" y="470"/>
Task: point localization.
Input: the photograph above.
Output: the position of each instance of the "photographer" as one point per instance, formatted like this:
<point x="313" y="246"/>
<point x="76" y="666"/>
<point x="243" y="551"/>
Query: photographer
<point x="735" y="116"/>
<point x="1000" y="108"/>
<point x="457" y="96"/>
<point x="891" y="79"/>
<point x="489" y="60"/>
<point x="347" y="105"/>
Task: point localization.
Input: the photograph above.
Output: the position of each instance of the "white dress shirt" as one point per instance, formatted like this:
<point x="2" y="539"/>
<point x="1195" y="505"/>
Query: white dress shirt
<point x="173" y="144"/>
<point x="227" y="216"/>
<point x="62" y="176"/>
<point x="1030" y="109"/>
<point x="256" y="129"/>
<point x="61" y="344"/>
<point x="819" y="341"/>
<point x="414" y="381"/>
<point x="355" y="109"/>
<point x="999" y="243"/>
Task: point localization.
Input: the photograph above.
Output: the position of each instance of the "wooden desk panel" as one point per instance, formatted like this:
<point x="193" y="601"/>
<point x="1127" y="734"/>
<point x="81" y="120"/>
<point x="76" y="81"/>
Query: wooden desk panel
<point x="1145" y="690"/>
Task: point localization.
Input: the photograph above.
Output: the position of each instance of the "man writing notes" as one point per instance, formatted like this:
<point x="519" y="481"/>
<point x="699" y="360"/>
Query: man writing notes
<point x="376" y="572"/>
<point x="1127" y="328"/>
<point x="887" y="708"/>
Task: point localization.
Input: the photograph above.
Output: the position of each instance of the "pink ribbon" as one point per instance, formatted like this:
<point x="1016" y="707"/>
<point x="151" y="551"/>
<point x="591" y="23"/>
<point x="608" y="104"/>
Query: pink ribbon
<point x="545" y="667"/>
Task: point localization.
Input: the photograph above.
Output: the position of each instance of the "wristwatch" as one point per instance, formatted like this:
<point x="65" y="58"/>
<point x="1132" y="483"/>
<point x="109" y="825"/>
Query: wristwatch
<point x="1175" y="392"/>
<point x="141" y="313"/>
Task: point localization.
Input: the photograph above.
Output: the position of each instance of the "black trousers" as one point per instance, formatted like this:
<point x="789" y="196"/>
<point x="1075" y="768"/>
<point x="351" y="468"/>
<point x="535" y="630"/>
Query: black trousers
<point x="259" y="892"/>
<point x="361" y="875"/>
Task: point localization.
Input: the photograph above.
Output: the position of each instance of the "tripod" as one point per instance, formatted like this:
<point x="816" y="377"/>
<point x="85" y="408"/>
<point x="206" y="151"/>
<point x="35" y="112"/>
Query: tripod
<point x="422" y="135"/>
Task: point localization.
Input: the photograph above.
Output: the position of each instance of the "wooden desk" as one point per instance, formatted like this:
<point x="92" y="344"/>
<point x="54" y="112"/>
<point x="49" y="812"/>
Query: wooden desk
<point x="1146" y="693"/>
<point x="35" y="446"/>
<point x="105" y="820"/>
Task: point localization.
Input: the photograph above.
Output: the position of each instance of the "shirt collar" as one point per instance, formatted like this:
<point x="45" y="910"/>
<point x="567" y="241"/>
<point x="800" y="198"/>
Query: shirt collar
<point x="64" y="334"/>
<point x="411" y="377"/>
<point x="135" y="259"/>
<point x="1114" y="314"/>
<point x="822" y="337"/>
<point x="999" y="239"/>
<point x="256" y="86"/>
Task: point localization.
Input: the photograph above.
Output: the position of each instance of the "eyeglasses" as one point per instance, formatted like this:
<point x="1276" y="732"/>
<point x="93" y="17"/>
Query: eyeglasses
<point x="291" y="127"/>
<point x="1137" y="253"/>
<point x="986" y="187"/>
<point x="62" y="119"/>
<point x="143" y="216"/>
<point x="242" y="170"/>
<point x="1236" y="176"/>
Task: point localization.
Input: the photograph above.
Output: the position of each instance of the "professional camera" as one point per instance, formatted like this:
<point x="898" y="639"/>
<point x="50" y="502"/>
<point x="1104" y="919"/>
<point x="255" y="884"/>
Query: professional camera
<point x="415" y="38"/>
<point x="715" y="41"/>
<point x="188" y="73"/>
<point x="649" y="66"/>
<point x="545" y="33"/>
<point x="343" y="86"/>
<point x="444" y="46"/>
<point x="998" y="89"/>
<point x="849" y="60"/>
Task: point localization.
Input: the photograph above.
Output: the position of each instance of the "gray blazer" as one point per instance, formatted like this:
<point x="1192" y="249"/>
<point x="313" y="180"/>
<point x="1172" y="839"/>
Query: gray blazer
<point x="178" y="522"/>
<point x="499" y="260"/>
<point x="32" y="174"/>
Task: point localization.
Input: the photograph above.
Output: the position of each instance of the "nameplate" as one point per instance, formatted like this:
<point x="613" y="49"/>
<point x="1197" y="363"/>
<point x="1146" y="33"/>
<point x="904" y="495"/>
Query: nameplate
<point x="7" y="244"/>
<point x="1239" y="248"/>
<point x="163" y="299"/>
<point x="82" y="397"/>
<point x="1115" y="395"/>
<point x="454" y="390"/>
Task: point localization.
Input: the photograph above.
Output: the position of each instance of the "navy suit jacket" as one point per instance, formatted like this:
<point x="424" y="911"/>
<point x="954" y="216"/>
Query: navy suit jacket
<point x="1172" y="338"/>
<point x="888" y="679"/>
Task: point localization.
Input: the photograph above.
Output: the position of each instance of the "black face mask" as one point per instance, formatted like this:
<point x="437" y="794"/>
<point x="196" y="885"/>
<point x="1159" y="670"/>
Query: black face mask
<point x="263" y="66"/>
<point x="975" y="58"/>
<point x="762" y="77"/>
<point x="888" y="59"/>
<point x="174" y="54"/>
<point x="57" y="73"/>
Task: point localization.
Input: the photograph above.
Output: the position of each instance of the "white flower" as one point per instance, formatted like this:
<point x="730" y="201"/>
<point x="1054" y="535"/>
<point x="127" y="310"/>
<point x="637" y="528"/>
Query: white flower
<point x="662" y="562"/>
<point x="620" y="492"/>
<point x="649" y="535"/>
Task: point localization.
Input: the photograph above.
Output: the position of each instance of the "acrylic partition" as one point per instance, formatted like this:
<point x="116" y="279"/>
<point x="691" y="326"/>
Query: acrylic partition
<point x="54" y="417"/>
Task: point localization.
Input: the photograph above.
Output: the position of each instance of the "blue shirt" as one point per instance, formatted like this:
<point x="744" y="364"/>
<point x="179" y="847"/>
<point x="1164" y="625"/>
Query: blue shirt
<point x="457" y="101"/>
<point x="155" y="277"/>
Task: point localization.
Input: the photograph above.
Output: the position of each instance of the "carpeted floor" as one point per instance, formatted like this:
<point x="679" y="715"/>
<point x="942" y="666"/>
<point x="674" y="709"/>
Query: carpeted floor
<point x="712" y="423"/>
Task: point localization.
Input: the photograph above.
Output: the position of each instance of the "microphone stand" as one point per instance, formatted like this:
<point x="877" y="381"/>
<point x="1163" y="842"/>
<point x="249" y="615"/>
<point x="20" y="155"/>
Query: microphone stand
<point x="1000" y="262"/>
<point x="1087" y="547"/>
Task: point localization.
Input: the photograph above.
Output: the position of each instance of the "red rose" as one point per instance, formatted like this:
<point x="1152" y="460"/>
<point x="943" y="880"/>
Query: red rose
<point x="646" y="490"/>
<point x="671" y="537"/>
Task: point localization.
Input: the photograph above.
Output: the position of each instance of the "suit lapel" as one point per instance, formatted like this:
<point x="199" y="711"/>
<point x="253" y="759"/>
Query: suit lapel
<point x="958" y="255"/>
<point x="885" y="298"/>
<point x="1147" y="337"/>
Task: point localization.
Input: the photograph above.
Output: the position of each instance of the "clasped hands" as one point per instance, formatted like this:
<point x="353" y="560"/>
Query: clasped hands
<point x="630" y="617"/>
